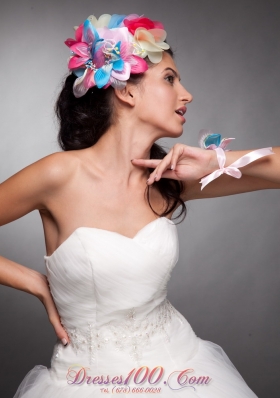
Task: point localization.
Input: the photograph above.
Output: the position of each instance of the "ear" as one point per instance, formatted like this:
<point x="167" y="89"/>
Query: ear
<point x="127" y="94"/>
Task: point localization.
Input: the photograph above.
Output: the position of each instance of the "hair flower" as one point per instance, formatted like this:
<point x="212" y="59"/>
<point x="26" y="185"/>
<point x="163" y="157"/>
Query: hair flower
<point x="151" y="43"/>
<point x="209" y="140"/>
<point x="141" y="22"/>
<point x="107" y="50"/>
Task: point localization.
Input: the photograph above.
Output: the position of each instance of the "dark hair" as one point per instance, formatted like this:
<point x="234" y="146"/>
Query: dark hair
<point x="84" y="120"/>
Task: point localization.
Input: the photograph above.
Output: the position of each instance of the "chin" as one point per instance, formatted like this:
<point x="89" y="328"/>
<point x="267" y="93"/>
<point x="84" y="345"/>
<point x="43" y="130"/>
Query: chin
<point x="173" y="134"/>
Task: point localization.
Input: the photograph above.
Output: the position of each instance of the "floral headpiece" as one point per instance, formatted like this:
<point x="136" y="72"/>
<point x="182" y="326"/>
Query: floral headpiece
<point x="106" y="51"/>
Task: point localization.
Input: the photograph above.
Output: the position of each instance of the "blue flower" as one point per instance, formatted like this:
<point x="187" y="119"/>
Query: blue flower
<point x="212" y="139"/>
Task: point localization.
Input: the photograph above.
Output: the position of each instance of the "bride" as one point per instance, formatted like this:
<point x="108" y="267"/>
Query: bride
<point x="106" y="203"/>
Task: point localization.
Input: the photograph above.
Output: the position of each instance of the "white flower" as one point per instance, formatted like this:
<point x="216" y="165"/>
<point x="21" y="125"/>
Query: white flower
<point x="101" y="22"/>
<point x="151" y="42"/>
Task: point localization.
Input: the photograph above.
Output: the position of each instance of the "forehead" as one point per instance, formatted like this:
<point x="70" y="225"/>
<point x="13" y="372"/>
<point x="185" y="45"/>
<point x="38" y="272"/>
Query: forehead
<point x="166" y="64"/>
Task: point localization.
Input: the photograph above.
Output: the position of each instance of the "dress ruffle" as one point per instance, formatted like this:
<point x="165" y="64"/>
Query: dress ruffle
<point x="210" y="360"/>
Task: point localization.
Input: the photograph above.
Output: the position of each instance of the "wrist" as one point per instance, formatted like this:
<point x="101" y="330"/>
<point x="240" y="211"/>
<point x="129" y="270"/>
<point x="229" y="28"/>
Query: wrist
<point x="41" y="288"/>
<point x="230" y="157"/>
<point x="213" y="161"/>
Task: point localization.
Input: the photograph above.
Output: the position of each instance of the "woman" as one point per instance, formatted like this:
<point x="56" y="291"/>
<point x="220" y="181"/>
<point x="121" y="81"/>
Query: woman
<point x="109" y="262"/>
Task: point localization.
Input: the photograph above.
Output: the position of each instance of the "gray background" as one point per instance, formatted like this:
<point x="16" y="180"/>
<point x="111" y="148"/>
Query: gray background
<point x="226" y="282"/>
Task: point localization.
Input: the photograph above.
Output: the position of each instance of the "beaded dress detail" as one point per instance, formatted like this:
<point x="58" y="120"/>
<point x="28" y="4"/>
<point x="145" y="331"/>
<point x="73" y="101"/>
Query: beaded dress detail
<point x="110" y="292"/>
<point x="131" y="335"/>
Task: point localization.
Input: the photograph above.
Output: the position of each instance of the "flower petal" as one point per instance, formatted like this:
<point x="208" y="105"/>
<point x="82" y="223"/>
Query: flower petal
<point x="225" y="141"/>
<point x="125" y="50"/>
<point x="78" y="88"/>
<point x="116" y="34"/>
<point x="79" y="72"/>
<point x="141" y="22"/>
<point x="103" y="20"/>
<point x="80" y="49"/>
<point x="148" y="46"/>
<point x="99" y="58"/>
<point x="202" y="136"/>
<point x="107" y="85"/>
<point x="212" y="139"/>
<point x="143" y="35"/>
<point x="79" y="32"/>
<point x="137" y="64"/>
<point x="76" y="62"/>
<point x="132" y="16"/>
<point x="155" y="57"/>
<point x="90" y="34"/>
<point x="102" y="75"/>
<point x="93" y="20"/>
<point x="89" y="80"/>
<point x="124" y="74"/>
<point x="115" y="21"/>
<point x="158" y="25"/>
<point x="159" y="34"/>
<point x="70" y="42"/>
<point x="118" y="84"/>
<point x="163" y="45"/>
<point x="118" y="65"/>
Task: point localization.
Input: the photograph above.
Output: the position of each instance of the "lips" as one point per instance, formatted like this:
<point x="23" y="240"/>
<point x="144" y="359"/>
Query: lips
<point x="181" y="111"/>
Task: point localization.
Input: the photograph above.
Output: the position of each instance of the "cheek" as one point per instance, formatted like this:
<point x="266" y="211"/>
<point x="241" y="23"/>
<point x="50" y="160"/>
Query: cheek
<point x="158" y="100"/>
<point x="157" y="103"/>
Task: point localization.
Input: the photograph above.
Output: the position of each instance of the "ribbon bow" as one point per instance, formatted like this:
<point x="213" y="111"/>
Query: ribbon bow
<point x="232" y="169"/>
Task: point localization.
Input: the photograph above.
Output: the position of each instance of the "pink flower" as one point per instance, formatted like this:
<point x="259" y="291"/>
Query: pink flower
<point x="141" y="22"/>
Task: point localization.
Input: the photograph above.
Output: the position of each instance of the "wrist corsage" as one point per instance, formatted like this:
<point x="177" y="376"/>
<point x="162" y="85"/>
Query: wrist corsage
<point x="209" y="140"/>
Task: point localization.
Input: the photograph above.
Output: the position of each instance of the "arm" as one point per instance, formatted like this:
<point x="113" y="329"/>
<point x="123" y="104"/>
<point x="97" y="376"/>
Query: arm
<point x="263" y="173"/>
<point x="20" y="194"/>
<point x="30" y="281"/>
<point x="267" y="168"/>
<point x="190" y="164"/>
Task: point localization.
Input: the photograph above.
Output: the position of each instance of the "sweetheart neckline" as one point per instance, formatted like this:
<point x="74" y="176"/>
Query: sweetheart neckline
<point x="106" y="230"/>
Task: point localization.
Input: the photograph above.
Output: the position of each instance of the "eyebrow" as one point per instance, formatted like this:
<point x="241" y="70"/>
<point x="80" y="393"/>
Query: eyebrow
<point x="175" y="73"/>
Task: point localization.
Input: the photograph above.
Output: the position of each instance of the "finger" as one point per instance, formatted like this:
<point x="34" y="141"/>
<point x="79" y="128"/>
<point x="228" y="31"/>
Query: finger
<point x="162" y="166"/>
<point x="170" y="161"/>
<point x="56" y="322"/>
<point x="170" y="174"/>
<point x="178" y="150"/>
<point x="59" y="330"/>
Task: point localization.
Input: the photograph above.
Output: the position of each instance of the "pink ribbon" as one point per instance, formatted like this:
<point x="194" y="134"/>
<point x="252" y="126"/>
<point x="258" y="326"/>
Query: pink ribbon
<point x="232" y="169"/>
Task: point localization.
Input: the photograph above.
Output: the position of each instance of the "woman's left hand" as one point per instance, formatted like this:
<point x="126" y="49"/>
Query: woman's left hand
<point x="183" y="163"/>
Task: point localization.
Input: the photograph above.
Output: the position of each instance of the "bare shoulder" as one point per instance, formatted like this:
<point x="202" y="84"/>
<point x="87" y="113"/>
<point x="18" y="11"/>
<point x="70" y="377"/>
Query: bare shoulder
<point x="51" y="171"/>
<point x="57" y="167"/>
<point x="30" y="188"/>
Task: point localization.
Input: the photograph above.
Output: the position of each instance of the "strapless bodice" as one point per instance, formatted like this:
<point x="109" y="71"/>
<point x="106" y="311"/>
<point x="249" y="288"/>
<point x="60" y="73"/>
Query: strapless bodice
<point x="97" y="275"/>
<point x="105" y="283"/>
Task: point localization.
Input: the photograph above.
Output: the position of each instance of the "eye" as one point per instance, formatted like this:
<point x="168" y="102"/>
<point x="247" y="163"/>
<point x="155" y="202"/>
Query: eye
<point x="170" y="78"/>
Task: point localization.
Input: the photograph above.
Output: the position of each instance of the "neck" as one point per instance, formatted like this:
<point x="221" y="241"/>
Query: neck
<point x="115" y="149"/>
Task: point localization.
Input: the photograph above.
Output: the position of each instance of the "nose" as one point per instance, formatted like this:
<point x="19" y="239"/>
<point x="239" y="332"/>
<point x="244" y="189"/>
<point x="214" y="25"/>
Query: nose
<point x="186" y="96"/>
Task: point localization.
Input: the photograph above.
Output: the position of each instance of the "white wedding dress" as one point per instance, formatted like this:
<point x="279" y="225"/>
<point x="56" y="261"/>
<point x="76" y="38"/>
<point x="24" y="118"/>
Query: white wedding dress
<point x="110" y="291"/>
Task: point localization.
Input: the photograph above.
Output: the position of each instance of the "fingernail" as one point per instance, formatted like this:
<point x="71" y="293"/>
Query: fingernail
<point x="64" y="342"/>
<point x="147" y="181"/>
<point x="155" y="177"/>
<point x="172" y="167"/>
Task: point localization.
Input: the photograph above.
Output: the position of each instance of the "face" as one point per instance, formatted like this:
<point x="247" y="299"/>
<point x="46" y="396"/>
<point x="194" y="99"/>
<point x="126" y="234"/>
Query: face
<point x="162" y="98"/>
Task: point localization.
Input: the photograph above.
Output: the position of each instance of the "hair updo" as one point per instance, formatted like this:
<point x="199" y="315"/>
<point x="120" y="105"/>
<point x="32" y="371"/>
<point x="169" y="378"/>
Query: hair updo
<point x="82" y="121"/>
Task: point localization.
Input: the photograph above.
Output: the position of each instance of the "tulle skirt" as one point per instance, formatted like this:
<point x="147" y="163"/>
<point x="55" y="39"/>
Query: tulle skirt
<point x="209" y="373"/>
